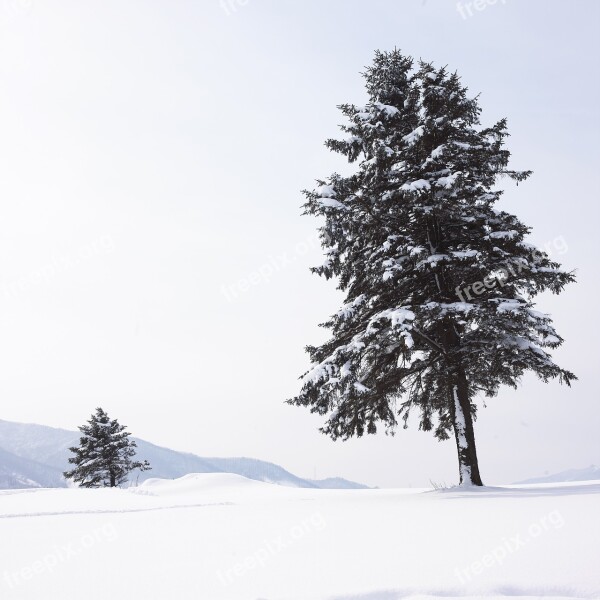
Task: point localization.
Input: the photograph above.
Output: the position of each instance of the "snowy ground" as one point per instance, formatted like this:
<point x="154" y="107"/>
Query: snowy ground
<point x="224" y="537"/>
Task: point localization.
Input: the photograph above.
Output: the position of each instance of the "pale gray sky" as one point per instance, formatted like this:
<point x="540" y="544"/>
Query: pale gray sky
<point x="153" y="259"/>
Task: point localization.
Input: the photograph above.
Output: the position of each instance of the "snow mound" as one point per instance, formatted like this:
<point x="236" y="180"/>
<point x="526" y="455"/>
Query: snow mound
<point x="212" y="488"/>
<point x="197" y="483"/>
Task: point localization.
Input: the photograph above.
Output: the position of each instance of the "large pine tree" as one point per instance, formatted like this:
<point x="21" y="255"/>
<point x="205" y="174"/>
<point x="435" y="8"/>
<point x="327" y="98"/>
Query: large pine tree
<point x="104" y="457"/>
<point x="439" y="282"/>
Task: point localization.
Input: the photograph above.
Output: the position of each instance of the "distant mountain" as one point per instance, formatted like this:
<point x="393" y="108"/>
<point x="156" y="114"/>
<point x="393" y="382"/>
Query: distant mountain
<point x="337" y="483"/>
<point x="35" y="456"/>
<point x="17" y="472"/>
<point x="46" y="445"/>
<point x="590" y="473"/>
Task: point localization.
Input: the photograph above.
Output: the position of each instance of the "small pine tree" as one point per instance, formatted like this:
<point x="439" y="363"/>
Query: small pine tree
<point x="104" y="457"/>
<point x="439" y="282"/>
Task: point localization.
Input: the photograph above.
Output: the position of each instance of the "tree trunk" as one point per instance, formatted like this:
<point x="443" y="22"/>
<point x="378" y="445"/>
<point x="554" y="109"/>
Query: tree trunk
<point x="462" y="420"/>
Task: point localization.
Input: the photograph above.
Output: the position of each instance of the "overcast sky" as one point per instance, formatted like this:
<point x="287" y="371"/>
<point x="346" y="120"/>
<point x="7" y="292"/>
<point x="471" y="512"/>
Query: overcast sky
<point x="153" y="259"/>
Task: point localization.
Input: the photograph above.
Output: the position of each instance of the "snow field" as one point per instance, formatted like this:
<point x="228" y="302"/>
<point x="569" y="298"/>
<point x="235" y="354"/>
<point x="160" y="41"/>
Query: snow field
<point x="224" y="537"/>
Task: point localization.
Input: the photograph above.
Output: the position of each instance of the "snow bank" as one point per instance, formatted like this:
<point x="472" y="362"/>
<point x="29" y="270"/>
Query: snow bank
<point x="196" y="482"/>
